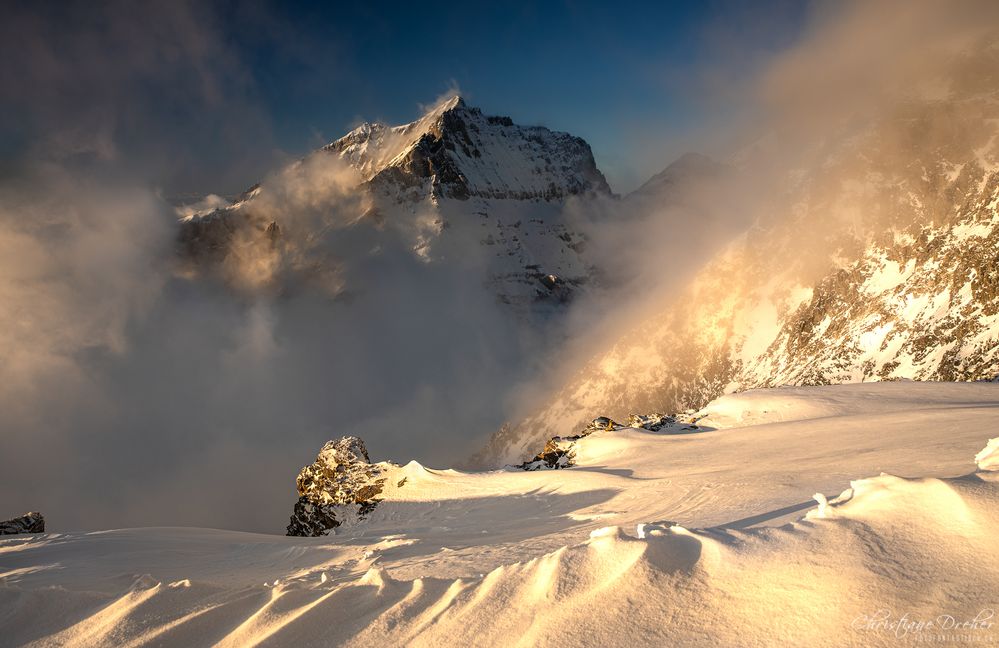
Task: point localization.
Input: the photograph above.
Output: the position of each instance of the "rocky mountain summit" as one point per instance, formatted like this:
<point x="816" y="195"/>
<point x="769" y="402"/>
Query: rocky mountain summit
<point x="458" y="152"/>
<point x="342" y="485"/>
<point x="32" y="522"/>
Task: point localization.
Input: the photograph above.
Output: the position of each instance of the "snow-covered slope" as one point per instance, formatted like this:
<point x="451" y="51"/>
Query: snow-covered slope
<point x="652" y="538"/>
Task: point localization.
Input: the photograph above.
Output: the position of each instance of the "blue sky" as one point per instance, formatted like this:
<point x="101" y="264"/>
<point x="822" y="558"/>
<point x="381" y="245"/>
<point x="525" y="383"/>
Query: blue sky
<point x="601" y="70"/>
<point x="223" y="92"/>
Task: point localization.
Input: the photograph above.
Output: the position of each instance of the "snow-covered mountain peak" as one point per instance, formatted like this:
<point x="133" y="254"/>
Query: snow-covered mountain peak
<point x="460" y="152"/>
<point x="454" y="187"/>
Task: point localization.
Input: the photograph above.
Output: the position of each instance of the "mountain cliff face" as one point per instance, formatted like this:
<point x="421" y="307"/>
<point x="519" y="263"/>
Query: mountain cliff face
<point x="874" y="259"/>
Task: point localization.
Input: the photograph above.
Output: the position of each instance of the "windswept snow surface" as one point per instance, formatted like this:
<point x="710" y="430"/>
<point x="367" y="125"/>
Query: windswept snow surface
<point x="757" y="528"/>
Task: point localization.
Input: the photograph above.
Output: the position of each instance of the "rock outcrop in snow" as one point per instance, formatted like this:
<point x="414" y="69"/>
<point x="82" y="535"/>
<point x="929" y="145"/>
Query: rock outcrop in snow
<point x="665" y="533"/>
<point x="342" y="484"/>
<point x="31" y="522"/>
<point x="560" y="452"/>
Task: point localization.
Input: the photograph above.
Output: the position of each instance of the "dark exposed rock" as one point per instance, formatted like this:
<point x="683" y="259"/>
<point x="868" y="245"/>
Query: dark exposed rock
<point x="209" y="238"/>
<point x="32" y="522"/>
<point x="341" y="484"/>
<point x="310" y="519"/>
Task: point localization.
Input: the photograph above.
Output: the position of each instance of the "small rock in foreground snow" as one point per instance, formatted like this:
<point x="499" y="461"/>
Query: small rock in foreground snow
<point x="341" y="481"/>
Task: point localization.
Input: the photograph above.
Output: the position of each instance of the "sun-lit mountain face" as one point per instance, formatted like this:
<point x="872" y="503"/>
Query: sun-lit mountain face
<point x="870" y="259"/>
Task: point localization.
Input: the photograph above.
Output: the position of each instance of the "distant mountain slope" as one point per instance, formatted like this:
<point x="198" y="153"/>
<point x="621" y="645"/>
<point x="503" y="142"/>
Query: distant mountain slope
<point x="676" y="177"/>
